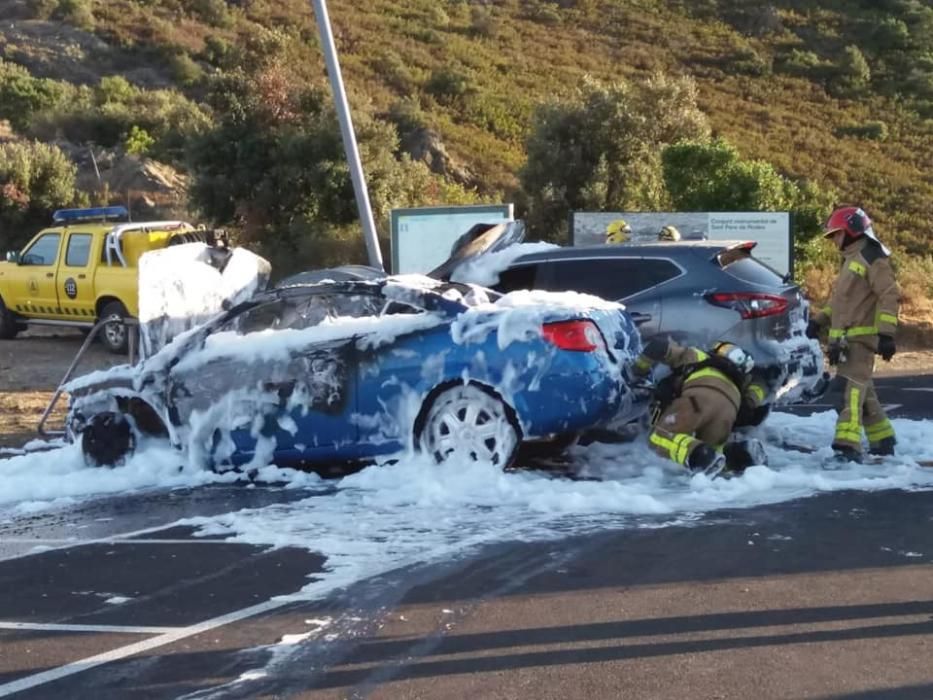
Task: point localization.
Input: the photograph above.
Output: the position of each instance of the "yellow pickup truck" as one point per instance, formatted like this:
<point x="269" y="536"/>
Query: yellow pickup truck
<point x="81" y="270"/>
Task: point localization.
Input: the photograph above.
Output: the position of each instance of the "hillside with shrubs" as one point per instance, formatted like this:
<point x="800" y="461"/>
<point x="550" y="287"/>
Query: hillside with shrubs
<point x="220" y="111"/>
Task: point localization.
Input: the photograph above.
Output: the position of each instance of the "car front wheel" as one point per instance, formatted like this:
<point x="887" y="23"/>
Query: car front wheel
<point x="107" y="440"/>
<point x="469" y="422"/>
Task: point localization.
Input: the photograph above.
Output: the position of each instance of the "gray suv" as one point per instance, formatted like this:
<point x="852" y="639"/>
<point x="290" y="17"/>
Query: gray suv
<point x="697" y="292"/>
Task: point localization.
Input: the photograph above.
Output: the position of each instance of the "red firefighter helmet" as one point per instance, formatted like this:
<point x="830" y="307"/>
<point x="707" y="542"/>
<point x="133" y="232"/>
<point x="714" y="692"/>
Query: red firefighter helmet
<point x="853" y="220"/>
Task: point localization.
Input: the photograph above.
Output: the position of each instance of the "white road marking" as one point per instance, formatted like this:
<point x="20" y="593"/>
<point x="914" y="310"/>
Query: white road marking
<point x="69" y="543"/>
<point x="888" y="407"/>
<point x="175" y="635"/>
<point x="917" y="388"/>
<point x="43" y="627"/>
<point x="65" y="541"/>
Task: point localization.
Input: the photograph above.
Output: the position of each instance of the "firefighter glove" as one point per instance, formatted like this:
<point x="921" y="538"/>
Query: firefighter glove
<point x="834" y="353"/>
<point x="813" y="330"/>
<point x="886" y="347"/>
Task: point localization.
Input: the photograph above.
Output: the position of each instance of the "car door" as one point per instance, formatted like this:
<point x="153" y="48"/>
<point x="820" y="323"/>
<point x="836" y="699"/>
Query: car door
<point x="74" y="279"/>
<point x="400" y="359"/>
<point x="35" y="287"/>
<point x="266" y="374"/>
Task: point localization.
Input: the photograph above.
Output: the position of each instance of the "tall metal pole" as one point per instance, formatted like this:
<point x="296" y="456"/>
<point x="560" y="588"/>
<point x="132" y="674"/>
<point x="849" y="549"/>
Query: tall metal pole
<point x="349" y="138"/>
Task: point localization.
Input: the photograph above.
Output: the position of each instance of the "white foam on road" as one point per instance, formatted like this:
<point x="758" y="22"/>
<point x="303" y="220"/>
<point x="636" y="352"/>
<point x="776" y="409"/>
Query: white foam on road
<point x="414" y="511"/>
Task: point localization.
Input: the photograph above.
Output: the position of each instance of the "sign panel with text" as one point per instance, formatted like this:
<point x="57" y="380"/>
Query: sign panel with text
<point x="770" y="230"/>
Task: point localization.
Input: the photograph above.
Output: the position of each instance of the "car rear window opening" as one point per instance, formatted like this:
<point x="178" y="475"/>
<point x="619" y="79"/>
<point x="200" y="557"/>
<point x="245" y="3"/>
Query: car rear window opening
<point x="739" y="263"/>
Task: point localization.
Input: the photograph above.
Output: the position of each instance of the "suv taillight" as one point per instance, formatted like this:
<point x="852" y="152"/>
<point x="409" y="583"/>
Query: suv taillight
<point x="581" y="336"/>
<point x="750" y="304"/>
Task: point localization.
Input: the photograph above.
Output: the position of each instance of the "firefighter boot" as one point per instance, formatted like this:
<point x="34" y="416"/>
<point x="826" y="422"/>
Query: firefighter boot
<point x="844" y="453"/>
<point x="741" y="454"/>
<point x="705" y="459"/>
<point x="883" y="448"/>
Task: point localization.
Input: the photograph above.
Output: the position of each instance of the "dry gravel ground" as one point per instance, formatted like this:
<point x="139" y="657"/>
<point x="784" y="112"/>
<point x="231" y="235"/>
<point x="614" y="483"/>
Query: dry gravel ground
<point x="32" y="365"/>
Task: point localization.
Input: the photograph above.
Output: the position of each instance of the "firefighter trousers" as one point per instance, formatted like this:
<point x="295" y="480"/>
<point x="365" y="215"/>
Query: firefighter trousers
<point x="858" y="405"/>
<point x="699" y="415"/>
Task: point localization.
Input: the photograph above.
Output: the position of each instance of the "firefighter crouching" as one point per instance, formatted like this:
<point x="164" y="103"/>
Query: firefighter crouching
<point x="862" y="319"/>
<point x="700" y="403"/>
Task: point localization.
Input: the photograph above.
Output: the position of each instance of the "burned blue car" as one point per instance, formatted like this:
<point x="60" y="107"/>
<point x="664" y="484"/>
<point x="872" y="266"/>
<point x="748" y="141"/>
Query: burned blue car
<point x="362" y="369"/>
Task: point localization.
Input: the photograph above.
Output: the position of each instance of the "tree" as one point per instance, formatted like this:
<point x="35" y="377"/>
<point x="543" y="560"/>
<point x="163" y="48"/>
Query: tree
<point x="711" y="176"/>
<point x="274" y="165"/>
<point x="601" y="151"/>
<point x="853" y="74"/>
<point x="35" y="178"/>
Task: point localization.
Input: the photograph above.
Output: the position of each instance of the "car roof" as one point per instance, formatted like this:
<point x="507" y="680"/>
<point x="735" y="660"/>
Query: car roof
<point x="673" y="250"/>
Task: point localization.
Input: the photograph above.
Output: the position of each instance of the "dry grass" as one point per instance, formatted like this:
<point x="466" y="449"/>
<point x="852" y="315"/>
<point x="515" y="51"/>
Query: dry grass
<point x="20" y="412"/>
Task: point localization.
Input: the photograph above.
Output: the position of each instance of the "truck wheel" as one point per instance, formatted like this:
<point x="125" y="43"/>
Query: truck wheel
<point x="8" y="325"/>
<point x="114" y="333"/>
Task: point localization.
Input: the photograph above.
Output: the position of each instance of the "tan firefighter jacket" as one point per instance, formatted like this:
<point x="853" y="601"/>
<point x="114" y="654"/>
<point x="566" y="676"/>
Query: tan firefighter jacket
<point x="679" y="357"/>
<point x="865" y="296"/>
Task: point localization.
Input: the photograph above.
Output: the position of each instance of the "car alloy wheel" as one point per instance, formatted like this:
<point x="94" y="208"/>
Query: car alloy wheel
<point x="468" y="421"/>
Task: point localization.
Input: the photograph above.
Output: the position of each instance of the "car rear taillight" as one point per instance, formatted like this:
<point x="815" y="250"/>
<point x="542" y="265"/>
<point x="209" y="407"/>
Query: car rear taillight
<point x="749" y="304"/>
<point x="581" y="336"/>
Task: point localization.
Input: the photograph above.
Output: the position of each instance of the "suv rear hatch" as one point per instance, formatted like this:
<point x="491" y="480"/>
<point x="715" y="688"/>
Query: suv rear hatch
<point x="762" y="294"/>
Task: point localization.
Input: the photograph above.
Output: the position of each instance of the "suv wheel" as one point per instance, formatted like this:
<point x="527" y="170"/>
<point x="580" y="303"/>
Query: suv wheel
<point x="114" y="333"/>
<point x="8" y="325"/>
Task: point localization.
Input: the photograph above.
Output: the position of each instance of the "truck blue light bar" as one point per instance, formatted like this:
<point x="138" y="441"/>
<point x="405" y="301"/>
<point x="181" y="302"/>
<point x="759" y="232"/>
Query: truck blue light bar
<point x="62" y="216"/>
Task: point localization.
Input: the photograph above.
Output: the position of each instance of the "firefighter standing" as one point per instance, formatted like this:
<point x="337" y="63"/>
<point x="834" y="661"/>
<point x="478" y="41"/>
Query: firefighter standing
<point x="862" y="319"/>
<point x="701" y="401"/>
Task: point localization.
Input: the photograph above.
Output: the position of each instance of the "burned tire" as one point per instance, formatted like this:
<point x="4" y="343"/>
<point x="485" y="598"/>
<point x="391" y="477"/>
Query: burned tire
<point x="8" y="324"/>
<point x="114" y="335"/>
<point x="107" y="440"/>
<point x="468" y="422"/>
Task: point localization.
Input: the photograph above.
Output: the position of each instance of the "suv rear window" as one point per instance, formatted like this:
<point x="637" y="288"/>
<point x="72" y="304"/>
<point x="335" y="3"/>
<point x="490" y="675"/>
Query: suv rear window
<point x="611" y="278"/>
<point x="752" y="270"/>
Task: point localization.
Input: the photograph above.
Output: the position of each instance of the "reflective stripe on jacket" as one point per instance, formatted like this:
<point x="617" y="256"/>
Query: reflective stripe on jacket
<point x="865" y="296"/>
<point x="677" y="356"/>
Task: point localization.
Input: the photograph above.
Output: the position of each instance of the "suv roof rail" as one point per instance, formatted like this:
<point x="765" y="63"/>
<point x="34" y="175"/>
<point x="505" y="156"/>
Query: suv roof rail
<point x="63" y="216"/>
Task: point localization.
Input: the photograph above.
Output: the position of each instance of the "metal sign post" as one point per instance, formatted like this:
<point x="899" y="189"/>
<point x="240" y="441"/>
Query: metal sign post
<point x="349" y="138"/>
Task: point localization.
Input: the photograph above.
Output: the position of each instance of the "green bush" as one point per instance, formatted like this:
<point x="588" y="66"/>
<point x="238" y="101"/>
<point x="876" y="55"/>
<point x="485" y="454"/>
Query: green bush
<point x="76" y="12"/>
<point x="138" y="142"/>
<point x="853" y="74"/>
<point x="407" y="116"/>
<point x="800" y="63"/>
<point x="37" y="178"/>
<point x="544" y="12"/>
<point x="396" y="72"/>
<point x="22" y="96"/>
<point x="448" y="84"/>
<point x="212" y="12"/>
<point x="219" y="52"/>
<point x="185" y="69"/>
<point x="41" y="9"/>
<point x="750" y="62"/>
<point x="483" y="23"/>
<point x="872" y="131"/>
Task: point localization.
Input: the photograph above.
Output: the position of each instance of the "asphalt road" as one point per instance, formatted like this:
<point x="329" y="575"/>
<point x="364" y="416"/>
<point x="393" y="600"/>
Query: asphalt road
<point x="824" y="597"/>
